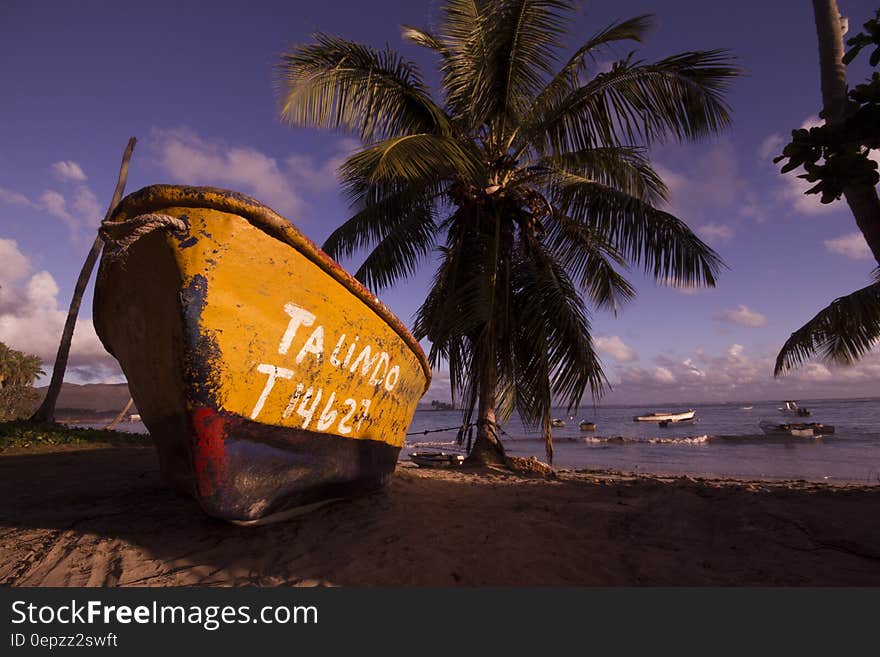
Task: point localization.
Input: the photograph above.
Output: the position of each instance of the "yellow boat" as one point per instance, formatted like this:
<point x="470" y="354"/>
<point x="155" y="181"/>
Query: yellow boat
<point x="269" y="379"/>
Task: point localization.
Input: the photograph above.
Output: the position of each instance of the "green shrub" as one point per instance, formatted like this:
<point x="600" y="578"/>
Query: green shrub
<point x="18" y="434"/>
<point x="17" y="401"/>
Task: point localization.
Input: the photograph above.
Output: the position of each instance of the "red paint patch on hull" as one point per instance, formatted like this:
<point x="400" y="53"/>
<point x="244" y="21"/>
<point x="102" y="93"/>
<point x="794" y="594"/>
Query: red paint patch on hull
<point x="209" y="450"/>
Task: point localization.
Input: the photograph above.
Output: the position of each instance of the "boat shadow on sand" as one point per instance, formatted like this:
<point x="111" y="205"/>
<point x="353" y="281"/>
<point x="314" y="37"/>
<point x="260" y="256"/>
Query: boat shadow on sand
<point x="103" y="517"/>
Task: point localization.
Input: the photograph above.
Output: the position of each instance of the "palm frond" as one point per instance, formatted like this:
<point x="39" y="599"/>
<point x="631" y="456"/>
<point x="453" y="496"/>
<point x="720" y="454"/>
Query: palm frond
<point x="457" y="307"/>
<point x="414" y="159"/>
<point x="378" y="211"/>
<point x="401" y="250"/>
<point x="568" y="77"/>
<point x="841" y="333"/>
<point x="523" y="40"/>
<point x="553" y="320"/>
<point x="334" y="83"/>
<point x="462" y="31"/>
<point x="680" y="97"/>
<point x="623" y="168"/>
<point x="659" y="242"/>
<point x="590" y="261"/>
<point x="425" y="39"/>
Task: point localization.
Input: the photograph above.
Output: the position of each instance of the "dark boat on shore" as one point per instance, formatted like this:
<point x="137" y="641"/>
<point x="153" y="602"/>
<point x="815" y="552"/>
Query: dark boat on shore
<point x="436" y="459"/>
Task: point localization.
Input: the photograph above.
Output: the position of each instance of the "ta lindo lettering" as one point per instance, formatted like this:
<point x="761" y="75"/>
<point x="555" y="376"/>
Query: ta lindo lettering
<point x="370" y="362"/>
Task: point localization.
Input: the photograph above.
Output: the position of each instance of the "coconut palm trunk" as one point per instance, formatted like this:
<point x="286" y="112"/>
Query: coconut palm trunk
<point x="862" y="199"/>
<point x="46" y="411"/>
<point x="487" y="449"/>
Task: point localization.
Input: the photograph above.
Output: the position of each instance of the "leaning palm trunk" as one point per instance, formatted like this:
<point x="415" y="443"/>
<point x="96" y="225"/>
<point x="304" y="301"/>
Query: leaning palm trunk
<point x="121" y="415"/>
<point x="46" y="411"/>
<point x="862" y="199"/>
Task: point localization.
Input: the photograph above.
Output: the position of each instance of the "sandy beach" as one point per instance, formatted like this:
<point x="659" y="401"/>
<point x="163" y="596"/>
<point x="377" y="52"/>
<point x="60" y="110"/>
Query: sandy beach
<point x="101" y="516"/>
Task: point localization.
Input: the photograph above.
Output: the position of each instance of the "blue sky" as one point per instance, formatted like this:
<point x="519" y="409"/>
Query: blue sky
<point x="194" y="82"/>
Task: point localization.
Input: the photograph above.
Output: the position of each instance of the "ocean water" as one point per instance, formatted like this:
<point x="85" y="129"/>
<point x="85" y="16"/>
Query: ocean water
<point x="725" y="442"/>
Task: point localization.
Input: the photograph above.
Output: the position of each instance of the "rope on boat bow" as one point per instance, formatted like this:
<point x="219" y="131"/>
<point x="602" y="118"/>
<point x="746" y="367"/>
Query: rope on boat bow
<point x="118" y="236"/>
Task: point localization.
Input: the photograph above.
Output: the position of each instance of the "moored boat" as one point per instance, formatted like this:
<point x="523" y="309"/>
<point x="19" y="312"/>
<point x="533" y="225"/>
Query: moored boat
<point x="557" y="422"/>
<point x="796" y="429"/>
<point x="269" y="379"/>
<point x="666" y="417"/>
<point x="585" y="425"/>
<point x="684" y="421"/>
<point x="436" y="459"/>
<point x="791" y="407"/>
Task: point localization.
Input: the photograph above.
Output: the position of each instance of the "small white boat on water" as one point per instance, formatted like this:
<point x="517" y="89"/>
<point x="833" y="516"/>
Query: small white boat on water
<point x="557" y="422"/>
<point x="586" y="425"/>
<point x="796" y="429"/>
<point x="791" y="407"/>
<point x="667" y="417"/>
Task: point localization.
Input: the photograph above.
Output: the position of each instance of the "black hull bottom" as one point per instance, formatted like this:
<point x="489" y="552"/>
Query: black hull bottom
<point x="243" y="471"/>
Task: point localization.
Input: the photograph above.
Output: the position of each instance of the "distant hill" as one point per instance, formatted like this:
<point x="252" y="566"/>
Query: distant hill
<point x="99" y="398"/>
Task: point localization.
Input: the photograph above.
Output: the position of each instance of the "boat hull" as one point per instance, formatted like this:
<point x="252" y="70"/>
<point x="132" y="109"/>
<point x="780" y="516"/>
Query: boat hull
<point x="796" y="429"/>
<point x="666" y="417"/>
<point x="268" y="378"/>
<point x="436" y="459"/>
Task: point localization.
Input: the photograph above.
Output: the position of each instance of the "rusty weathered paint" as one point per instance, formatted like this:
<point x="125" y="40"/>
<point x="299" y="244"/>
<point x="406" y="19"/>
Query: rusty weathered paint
<point x="288" y="362"/>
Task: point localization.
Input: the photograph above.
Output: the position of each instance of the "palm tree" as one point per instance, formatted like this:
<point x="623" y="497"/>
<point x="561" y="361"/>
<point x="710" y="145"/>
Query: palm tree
<point x="849" y="327"/>
<point x="46" y="411"/>
<point x="18" y="369"/>
<point x="528" y="177"/>
<point x="861" y="198"/>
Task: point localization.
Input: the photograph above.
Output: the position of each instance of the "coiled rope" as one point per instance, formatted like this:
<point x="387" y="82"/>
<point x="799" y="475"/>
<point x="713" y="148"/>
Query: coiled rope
<point x="118" y="236"/>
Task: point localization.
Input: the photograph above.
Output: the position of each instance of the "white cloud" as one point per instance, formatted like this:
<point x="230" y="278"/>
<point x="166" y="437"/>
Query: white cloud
<point x="815" y="372"/>
<point x="81" y="212"/>
<point x="690" y="370"/>
<point x="55" y="204"/>
<point x="32" y="321"/>
<point x="86" y="205"/>
<point x="192" y="160"/>
<point x="616" y="348"/>
<point x="737" y="374"/>
<point x="14" y="265"/>
<point x="663" y="375"/>
<point x="314" y="175"/>
<point x="716" y="233"/>
<point x="851" y="245"/>
<point x="69" y="170"/>
<point x="770" y="148"/>
<point x="743" y="316"/>
<point x="14" y="198"/>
